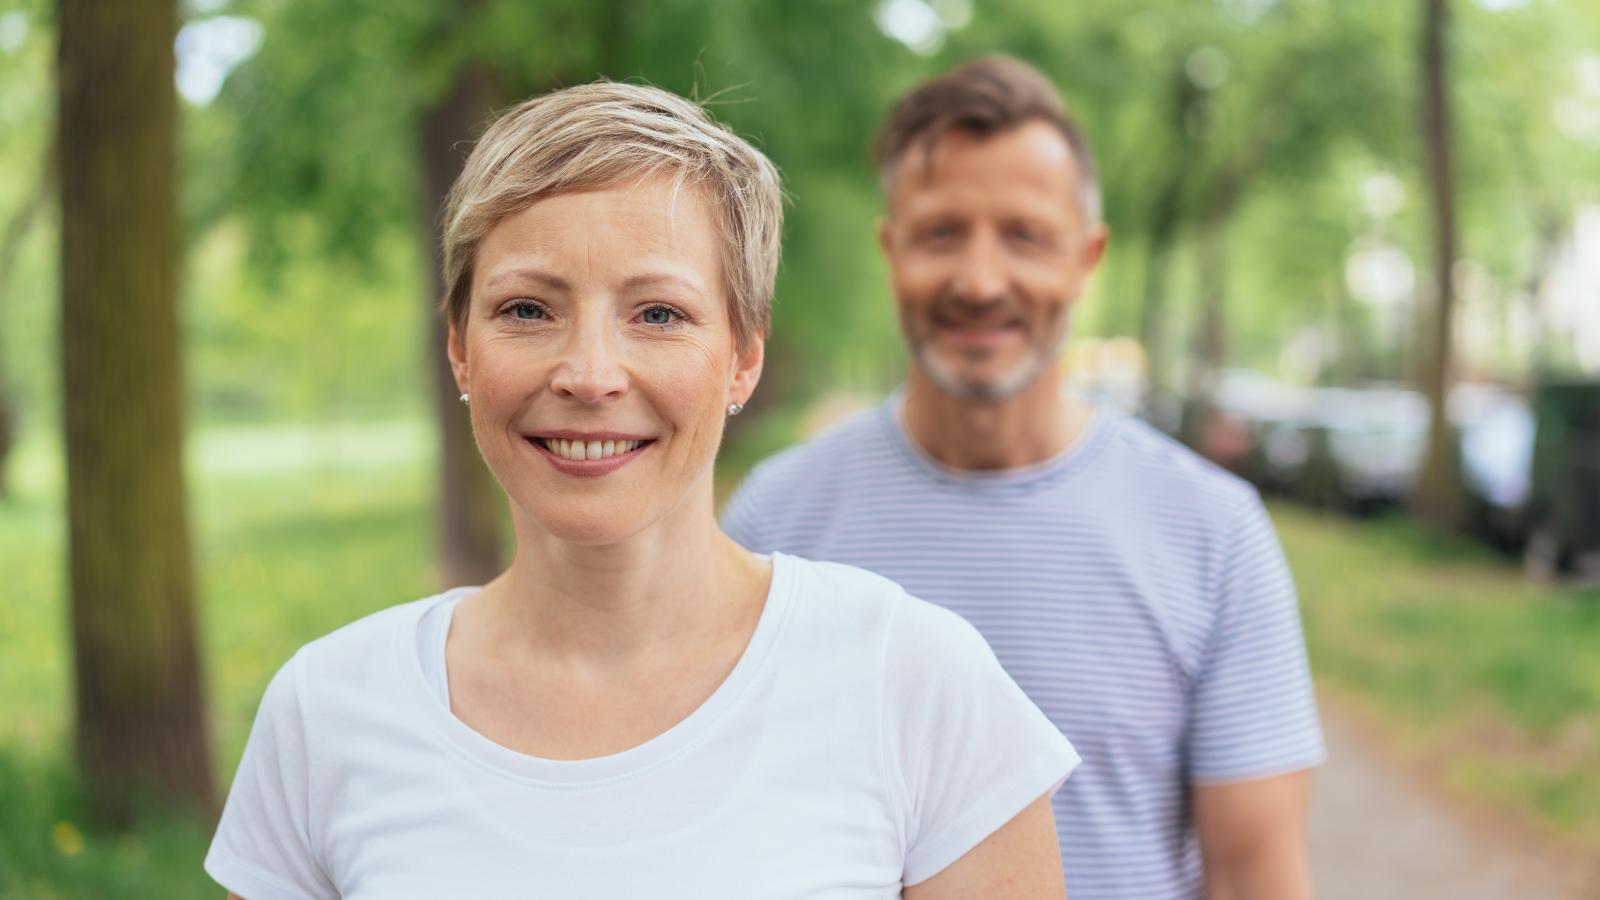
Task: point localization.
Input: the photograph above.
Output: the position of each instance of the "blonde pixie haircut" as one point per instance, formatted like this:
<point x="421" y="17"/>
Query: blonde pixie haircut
<point x="594" y="136"/>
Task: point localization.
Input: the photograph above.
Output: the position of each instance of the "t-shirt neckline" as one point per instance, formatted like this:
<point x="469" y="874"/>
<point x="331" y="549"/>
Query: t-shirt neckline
<point x="1069" y="459"/>
<point x="630" y="763"/>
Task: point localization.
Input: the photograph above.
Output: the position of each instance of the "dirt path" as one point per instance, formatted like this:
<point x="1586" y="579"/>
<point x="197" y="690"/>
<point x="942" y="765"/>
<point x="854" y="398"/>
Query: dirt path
<point x="1379" y="833"/>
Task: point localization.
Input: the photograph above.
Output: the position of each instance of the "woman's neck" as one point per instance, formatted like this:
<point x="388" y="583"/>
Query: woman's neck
<point x="681" y="583"/>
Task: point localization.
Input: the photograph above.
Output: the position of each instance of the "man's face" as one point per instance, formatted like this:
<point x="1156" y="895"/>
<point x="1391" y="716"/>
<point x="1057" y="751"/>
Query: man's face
<point x="988" y="251"/>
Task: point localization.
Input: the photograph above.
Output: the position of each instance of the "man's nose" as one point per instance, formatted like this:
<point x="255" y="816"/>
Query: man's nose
<point x="590" y="368"/>
<point x="980" y="272"/>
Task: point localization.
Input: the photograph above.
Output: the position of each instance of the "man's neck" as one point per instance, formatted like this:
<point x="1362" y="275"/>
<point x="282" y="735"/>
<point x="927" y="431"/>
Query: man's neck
<point x="1029" y="427"/>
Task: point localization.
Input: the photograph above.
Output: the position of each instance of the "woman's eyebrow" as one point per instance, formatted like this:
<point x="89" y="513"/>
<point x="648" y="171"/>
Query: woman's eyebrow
<point x="519" y="276"/>
<point x="656" y="279"/>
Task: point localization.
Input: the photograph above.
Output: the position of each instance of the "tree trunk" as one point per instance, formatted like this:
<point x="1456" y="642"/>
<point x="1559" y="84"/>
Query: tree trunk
<point x="1209" y="349"/>
<point x="1153" y="308"/>
<point x="1437" y="501"/>
<point x="1164" y="220"/>
<point x="141" y="734"/>
<point x="1551" y="228"/>
<point x="469" y="498"/>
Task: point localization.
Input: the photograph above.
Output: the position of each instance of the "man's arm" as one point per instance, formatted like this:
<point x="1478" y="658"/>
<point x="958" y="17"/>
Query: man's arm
<point x="1253" y="838"/>
<point x="1020" y="861"/>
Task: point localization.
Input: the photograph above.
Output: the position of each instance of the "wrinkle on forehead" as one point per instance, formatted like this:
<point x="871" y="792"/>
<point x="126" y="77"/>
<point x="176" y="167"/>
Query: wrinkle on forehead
<point x="615" y="236"/>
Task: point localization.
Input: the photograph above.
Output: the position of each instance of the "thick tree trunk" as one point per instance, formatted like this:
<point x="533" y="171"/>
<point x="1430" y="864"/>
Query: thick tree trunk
<point x="141" y="732"/>
<point x="469" y="499"/>
<point x="1437" y="500"/>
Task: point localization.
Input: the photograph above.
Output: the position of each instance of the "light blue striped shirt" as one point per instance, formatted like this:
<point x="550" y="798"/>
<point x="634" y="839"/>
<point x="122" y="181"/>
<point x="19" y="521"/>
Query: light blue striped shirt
<point x="1135" y="591"/>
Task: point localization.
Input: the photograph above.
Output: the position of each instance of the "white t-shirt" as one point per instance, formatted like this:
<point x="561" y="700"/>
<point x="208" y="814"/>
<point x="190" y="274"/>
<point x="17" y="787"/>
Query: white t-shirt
<point x="864" y="741"/>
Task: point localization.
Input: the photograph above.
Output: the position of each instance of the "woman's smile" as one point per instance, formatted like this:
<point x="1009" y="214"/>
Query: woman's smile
<point x="588" y="453"/>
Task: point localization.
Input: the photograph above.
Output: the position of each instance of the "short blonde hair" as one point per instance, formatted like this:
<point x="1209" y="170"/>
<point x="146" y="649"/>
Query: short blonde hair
<point x="593" y="136"/>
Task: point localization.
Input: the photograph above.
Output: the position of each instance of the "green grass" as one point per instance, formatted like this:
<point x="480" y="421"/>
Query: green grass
<point x="1490" y="676"/>
<point x="301" y="530"/>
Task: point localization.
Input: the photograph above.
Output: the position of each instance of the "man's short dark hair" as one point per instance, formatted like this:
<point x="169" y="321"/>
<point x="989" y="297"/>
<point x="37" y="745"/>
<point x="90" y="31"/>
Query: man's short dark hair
<point x="984" y="96"/>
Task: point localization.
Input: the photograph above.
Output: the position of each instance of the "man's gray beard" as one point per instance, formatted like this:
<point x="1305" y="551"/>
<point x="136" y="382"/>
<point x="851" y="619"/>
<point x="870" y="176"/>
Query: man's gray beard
<point x="1006" y="387"/>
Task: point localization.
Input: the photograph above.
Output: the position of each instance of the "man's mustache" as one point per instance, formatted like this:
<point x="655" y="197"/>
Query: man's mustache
<point x="959" y="309"/>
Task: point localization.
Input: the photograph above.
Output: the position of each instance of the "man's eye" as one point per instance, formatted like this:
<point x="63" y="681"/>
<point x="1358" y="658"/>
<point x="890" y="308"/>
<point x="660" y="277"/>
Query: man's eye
<point x="527" y="311"/>
<point x="659" y="315"/>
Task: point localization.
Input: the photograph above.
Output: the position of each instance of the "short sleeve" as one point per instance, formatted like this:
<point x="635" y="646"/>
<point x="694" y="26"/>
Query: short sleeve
<point x="1254" y="714"/>
<point x="263" y="848"/>
<point x="966" y="749"/>
<point x="745" y="510"/>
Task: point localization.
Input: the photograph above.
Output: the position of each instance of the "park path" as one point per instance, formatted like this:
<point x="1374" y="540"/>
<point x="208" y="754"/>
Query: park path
<point x="1378" y="832"/>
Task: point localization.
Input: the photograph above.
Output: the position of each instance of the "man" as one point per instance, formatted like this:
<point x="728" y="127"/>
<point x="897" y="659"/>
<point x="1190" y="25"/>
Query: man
<point x="1137" y="593"/>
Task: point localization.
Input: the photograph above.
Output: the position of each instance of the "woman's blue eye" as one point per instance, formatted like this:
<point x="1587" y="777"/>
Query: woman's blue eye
<point x="527" y="311"/>
<point x="659" y="315"/>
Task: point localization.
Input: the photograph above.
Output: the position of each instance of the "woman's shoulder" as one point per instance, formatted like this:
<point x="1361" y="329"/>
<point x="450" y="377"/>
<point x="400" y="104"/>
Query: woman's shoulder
<point x="355" y="648"/>
<point x="840" y="590"/>
<point x="845" y="596"/>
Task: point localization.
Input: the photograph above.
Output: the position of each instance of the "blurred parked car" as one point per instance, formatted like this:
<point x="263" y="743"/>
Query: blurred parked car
<point x="1529" y="473"/>
<point x="1348" y="448"/>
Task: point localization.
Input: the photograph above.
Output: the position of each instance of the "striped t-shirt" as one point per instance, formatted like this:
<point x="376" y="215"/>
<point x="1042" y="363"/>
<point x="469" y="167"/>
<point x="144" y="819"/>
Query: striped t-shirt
<point x="1135" y="591"/>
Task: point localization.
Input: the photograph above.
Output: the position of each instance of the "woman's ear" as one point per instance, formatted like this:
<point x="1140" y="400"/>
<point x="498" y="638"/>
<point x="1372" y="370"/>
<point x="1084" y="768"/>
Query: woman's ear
<point x="457" y="351"/>
<point x="748" y="371"/>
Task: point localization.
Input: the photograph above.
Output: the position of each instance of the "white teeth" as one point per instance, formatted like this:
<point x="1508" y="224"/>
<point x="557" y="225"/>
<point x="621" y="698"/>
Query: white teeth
<point x="580" y="450"/>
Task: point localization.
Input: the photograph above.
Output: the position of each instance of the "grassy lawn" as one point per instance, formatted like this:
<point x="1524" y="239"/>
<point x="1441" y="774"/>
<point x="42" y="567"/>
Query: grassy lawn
<point x="299" y="531"/>
<point x="1489" y="678"/>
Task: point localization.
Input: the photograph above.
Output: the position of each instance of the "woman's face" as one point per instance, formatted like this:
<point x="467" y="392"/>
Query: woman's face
<point x="600" y="358"/>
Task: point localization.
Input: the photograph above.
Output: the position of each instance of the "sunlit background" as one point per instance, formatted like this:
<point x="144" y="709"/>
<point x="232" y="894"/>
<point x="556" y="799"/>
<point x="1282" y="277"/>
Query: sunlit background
<point x="1268" y="298"/>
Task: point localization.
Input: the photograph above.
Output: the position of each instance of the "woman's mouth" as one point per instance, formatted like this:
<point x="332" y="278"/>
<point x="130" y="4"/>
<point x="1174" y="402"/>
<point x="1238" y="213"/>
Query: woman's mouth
<point x="579" y="454"/>
<point x="585" y="450"/>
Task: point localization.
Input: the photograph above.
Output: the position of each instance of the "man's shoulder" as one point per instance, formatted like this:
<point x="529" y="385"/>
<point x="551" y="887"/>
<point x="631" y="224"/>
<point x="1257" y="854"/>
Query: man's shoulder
<point x="1151" y="465"/>
<point x="832" y="453"/>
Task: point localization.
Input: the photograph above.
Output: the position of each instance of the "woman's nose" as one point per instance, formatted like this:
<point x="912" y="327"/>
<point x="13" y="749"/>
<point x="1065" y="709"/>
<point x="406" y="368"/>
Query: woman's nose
<point x="590" y="368"/>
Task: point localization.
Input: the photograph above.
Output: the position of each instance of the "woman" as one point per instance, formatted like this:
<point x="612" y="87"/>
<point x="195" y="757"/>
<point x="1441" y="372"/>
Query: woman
<point x="637" y="707"/>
